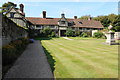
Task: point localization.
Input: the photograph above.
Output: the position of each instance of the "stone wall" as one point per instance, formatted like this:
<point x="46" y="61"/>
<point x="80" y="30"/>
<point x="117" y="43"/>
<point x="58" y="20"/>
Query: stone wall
<point x="11" y="31"/>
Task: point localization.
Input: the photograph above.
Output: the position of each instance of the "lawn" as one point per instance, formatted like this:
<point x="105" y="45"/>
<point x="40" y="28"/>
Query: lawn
<point x="82" y="58"/>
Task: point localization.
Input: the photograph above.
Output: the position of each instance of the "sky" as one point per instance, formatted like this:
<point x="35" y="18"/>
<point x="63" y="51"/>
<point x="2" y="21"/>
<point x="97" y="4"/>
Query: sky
<point x="70" y="9"/>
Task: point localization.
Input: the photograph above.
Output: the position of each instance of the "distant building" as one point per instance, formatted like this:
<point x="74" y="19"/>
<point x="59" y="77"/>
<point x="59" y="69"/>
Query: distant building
<point x="60" y="25"/>
<point x="17" y="15"/>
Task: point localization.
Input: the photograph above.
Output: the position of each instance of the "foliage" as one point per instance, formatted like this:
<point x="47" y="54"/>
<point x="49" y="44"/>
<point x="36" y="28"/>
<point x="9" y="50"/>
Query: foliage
<point x="53" y="34"/>
<point x="46" y="32"/>
<point x="112" y="19"/>
<point x="8" y="54"/>
<point x="11" y="51"/>
<point x="77" y="33"/>
<point x="85" y="17"/>
<point x="84" y="34"/>
<point x="7" y="6"/>
<point x="117" y="28"/>
<point x="17" y="44"/>
<point x="24" y="40"/>
<point x="69" y="32"/>
<point x="98" y="35"/>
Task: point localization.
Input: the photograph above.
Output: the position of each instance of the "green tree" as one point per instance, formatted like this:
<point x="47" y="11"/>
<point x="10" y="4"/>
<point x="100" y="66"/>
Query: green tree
<point x="117" y="28"/>
<point x="85" y="17"/>
<point x="46" y="32"/>
<point x="103" y="19"/>
<point x="6" y="6"/>
<point x="69" y="32"/>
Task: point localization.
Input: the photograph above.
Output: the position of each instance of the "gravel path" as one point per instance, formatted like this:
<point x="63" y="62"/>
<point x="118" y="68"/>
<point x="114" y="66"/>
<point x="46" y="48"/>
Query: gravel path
<point x="67" y="38"/>
<point x="31" y="64"/>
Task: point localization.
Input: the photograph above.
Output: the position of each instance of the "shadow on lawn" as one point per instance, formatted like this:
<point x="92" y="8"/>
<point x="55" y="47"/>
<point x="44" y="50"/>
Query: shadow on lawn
<point x="50" y="59"/>
<point x="43" y="38"/>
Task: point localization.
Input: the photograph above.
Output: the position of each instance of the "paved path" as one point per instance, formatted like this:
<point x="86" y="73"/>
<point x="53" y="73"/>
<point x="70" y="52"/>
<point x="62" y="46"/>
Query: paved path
<point x="31" y="64"/>
<point x="67" y="38"/>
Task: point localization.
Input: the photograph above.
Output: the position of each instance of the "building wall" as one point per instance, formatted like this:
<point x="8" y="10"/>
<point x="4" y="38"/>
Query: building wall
<point x="18" y="19"/>
<point x="11" y="31"/>
<point x="20" y="22"/>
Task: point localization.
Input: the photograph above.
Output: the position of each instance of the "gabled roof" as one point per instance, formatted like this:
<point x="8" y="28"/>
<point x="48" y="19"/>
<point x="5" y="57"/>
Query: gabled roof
<point x="17" y="10"/>
<point x="87" y="23"/>
<point x="54" y="21"/>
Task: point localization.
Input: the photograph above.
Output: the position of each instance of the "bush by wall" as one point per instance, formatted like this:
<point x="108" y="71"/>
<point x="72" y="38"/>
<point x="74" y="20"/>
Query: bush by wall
<point x="84" y="34"/>
<point x="8" y="54"/>
<point x="98" y="35"/>
<point x="12" y="50"/>
<point x="69" y="32"/>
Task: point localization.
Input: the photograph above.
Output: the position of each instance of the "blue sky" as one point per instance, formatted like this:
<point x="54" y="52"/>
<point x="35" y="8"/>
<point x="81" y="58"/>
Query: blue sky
<point x="54" y="9"/>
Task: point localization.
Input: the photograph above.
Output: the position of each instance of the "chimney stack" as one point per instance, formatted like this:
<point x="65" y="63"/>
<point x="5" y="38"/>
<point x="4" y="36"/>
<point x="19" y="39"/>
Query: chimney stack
<point x="22" y="8"/>
<point x="62" y="15"/>
<point x="44" y="14"/>
<point x="75" y="17"/>
<point x="89" y="18"/>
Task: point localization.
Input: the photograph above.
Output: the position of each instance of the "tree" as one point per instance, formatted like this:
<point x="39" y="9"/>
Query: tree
<point x="112" y="19"/>
<point x="69" y="32"/>
<point x="46" y="32"/>
<point x="103" y="19"/>
<point x="117" y="28"/>
<point x="7" y="6"/>
<point x="85" y="17"/>
<point x="98" y="35"/>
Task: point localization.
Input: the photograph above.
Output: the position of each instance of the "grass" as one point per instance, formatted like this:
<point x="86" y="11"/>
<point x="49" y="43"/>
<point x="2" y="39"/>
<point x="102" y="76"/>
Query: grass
<point x="82" y="57"/>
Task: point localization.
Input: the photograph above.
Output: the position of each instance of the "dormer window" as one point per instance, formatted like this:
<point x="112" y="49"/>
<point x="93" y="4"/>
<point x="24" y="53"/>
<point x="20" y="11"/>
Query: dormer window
<point x="80" y="22"/>
<point x="12" y="15"/>
<point x="62" y="22"/>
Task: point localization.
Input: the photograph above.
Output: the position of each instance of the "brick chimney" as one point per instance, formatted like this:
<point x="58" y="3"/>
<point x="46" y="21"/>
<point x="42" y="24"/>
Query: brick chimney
<point x="89" y="18"/>
<point x="62" y="15"/>
<point x="44" y="14"/>
<point x="75" y="17"/>
<point x="21" y="7"/>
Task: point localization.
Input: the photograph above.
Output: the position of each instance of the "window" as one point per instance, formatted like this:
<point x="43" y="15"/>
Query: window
<point x="12" y="15"/>
<point x="39" y="26"/>
<point x="80" y="22"/>
<point x="62" y="22"/>
<point x="51" y="26"/>
<point x="80" y="28"/>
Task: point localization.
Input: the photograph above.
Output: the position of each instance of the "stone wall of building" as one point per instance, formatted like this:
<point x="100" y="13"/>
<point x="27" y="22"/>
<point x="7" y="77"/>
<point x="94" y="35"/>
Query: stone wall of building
<point x="11" y="31"/>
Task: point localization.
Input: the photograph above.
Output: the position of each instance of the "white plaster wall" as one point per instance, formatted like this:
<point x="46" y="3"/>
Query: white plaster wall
<point x="117" y="35"/>
<point x="93" y="31"/>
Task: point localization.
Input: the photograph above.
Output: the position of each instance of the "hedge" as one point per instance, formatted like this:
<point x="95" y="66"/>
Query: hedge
<point x="11" y="51"/>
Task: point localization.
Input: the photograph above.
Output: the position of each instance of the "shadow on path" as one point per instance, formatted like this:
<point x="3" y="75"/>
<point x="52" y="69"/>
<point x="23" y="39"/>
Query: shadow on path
<point x="50" y="59"/>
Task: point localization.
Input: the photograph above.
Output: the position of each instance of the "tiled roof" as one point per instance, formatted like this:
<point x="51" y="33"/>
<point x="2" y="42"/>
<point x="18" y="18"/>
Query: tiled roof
<point x="87" y="23"/>
<point x="54" y="21"/>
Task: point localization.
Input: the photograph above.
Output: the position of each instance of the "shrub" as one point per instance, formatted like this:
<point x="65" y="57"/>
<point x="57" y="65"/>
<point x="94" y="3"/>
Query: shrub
<point x="25" y="40"/>
<point x="17" y="44"/>
<point x="89" y="33"/>
<point x="98" y="35"/>
<point x="77" y="33"/>
<point x="117" y="28"/>
<point x="84" y="34"/>
<point x="46" y="32"/>
<point x="69" y="32"/>
<point x="8" y="54"/>
<point x="53" y="34"/>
